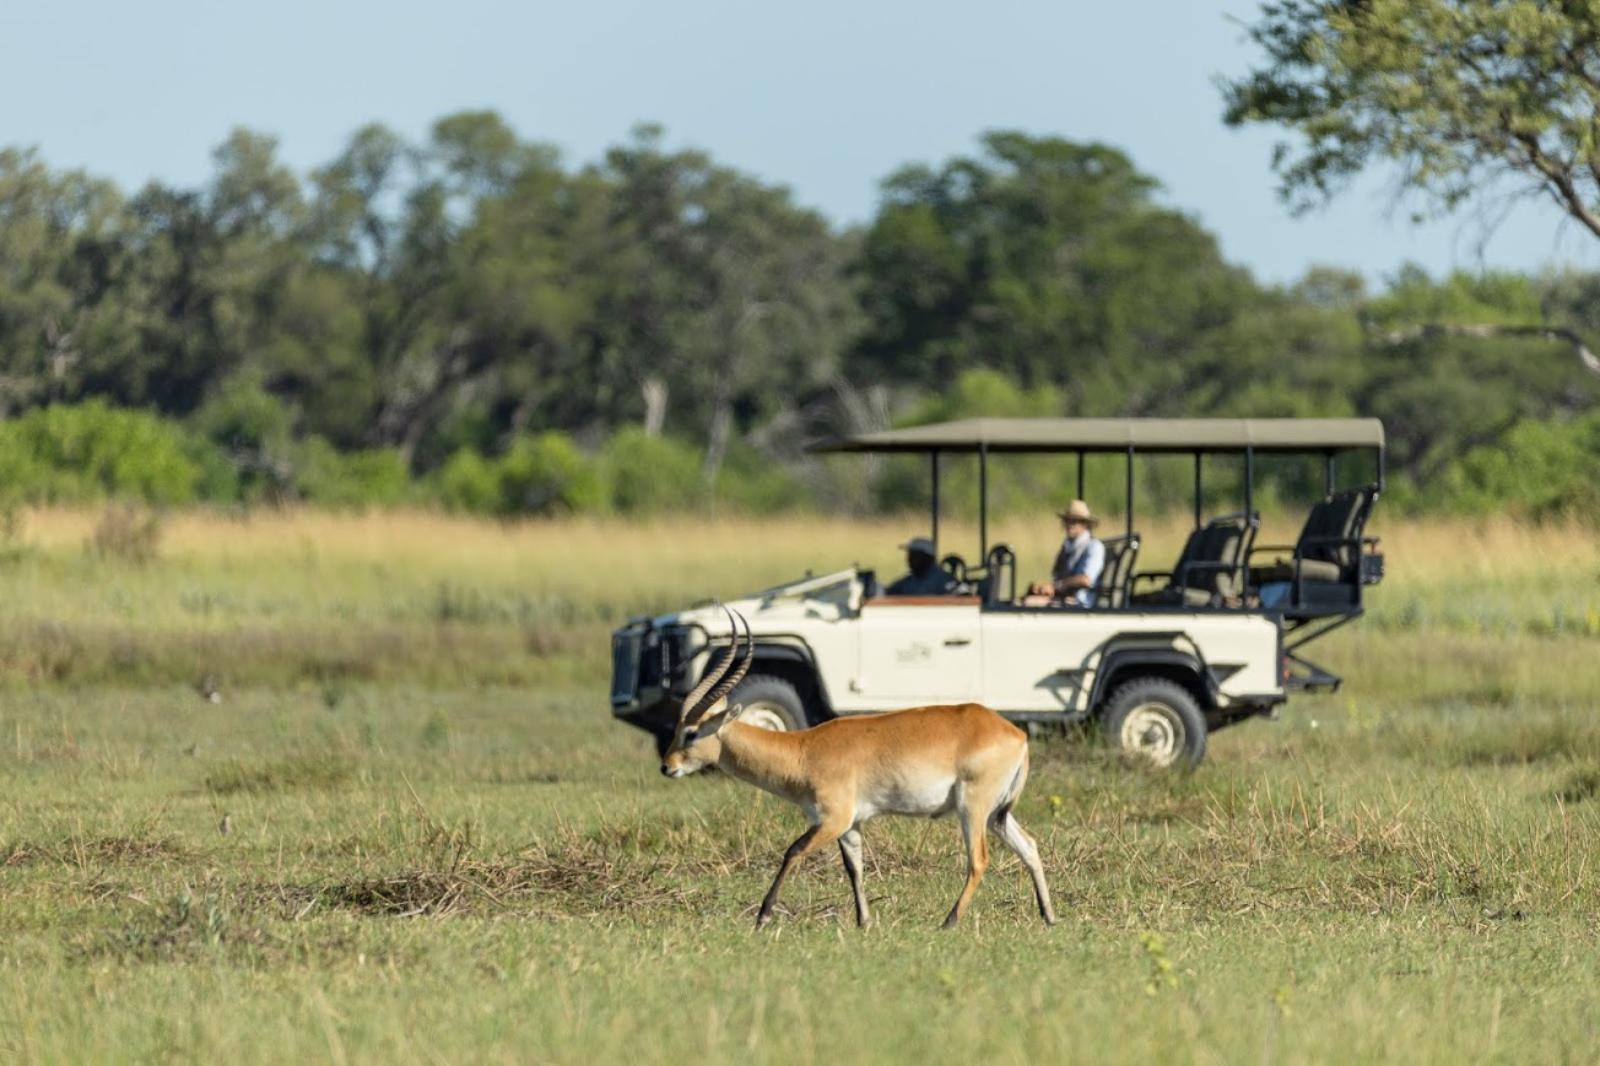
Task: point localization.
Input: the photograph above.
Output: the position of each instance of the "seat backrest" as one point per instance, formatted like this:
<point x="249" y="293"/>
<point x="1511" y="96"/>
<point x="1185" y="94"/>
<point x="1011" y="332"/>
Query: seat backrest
<point x="999" y="582"/>
<point x="1219" y="549"/>
<point x="1191" y="549"/>
<point x="1334" y="527"/>
<point x="1111" y="588"/>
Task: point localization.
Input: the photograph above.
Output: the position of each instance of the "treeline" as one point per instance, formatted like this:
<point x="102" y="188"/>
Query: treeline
<point x="468" y="322"/>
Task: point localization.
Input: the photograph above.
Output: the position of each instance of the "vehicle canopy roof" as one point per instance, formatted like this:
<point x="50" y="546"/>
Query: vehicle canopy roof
<point x="1041" y="435"/>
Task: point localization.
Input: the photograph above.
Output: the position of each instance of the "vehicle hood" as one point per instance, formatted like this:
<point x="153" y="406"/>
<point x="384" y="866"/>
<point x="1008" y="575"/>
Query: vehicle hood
<point x="825" y="598"/>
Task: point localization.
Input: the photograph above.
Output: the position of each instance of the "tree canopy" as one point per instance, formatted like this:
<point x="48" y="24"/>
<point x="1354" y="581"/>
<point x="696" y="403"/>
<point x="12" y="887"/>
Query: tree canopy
<point x="1463" y="96"/>
<point x="470" y="318"/>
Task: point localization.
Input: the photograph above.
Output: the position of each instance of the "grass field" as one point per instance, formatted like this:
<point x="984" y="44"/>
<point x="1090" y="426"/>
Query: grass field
<point x="440" y="849"/>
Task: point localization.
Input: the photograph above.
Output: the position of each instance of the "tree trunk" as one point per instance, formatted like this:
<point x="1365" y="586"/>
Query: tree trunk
<point x="521" y="415"/>
<point x="717" y="441"/>
<point x="655" y="405"/>
<point x="60" y="359"/>
<point x="864" y="412"/>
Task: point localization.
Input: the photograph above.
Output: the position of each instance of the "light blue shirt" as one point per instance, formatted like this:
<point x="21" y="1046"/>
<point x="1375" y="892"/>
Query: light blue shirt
<point x="1086" y="556"/>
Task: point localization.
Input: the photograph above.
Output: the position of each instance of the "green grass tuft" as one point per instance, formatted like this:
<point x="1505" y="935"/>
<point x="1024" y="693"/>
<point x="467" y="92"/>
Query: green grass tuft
<point x="321" y="770"/>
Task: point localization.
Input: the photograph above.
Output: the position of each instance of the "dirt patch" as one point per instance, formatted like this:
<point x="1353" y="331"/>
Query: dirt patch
<point x="96" y="851"/>
<point x="572" y="875"/>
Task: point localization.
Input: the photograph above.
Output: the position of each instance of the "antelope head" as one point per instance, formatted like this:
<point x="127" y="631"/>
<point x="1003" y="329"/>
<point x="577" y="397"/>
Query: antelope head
<point x="695" y="743"/>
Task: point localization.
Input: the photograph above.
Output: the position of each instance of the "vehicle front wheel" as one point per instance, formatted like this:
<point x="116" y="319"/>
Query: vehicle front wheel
<point x="769" y="703"/>
<point x="1157" y="720"/>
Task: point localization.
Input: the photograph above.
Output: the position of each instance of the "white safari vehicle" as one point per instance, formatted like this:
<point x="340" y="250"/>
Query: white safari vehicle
<point x="1161" y="658"/>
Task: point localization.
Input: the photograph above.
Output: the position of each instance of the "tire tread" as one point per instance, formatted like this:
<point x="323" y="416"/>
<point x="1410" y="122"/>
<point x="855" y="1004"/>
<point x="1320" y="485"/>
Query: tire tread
<point x="1165" y="690"/>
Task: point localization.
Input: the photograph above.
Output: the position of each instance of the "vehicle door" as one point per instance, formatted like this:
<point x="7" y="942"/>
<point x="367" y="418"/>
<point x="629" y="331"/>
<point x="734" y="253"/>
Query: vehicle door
<point x="917" y="650"/>
<point x="1037" y="660"/>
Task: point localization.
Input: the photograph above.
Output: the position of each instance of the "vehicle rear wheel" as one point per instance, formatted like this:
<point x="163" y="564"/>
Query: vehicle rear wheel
<point x="769" y="703"/>
<point x="1157" y="720"/>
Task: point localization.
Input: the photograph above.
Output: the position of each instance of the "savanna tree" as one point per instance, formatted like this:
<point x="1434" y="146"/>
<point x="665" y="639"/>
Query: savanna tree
<point x="1464" y="98"/>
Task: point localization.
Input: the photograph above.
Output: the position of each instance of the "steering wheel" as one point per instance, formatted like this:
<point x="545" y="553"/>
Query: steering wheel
<point x="955" y="566"/>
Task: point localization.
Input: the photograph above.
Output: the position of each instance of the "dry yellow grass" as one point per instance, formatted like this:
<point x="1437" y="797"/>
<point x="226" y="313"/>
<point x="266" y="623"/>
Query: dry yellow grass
<point x="611" y="554"/>
<point x="418" y="594"/>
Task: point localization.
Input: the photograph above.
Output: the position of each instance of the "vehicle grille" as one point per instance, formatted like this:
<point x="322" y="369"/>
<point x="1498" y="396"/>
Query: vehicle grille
<point x="627" y="646"/>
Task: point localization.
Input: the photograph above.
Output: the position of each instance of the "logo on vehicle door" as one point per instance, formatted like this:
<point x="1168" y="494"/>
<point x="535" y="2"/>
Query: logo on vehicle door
<point x="912" y="654"/>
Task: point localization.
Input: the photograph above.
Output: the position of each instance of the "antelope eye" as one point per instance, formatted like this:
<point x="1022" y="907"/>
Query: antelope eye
<point x="688" y="734"/>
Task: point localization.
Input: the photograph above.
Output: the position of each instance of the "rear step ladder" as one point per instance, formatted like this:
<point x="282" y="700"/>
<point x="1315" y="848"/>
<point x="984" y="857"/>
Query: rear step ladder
<point x="1309" y="677"/>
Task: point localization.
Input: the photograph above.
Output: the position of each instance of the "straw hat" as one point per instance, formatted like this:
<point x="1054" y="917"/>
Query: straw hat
<point x="1077" y="511"/>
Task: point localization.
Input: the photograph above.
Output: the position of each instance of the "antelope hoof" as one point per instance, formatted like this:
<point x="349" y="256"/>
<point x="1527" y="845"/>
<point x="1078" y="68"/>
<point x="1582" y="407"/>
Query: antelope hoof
<point x="762" y="918"/>
<point x="950" y="922"/>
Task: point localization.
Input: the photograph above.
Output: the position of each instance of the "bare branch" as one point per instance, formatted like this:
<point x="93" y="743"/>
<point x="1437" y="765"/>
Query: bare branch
<point x="1590" y="361"/>
<point x="1560" y="177"/>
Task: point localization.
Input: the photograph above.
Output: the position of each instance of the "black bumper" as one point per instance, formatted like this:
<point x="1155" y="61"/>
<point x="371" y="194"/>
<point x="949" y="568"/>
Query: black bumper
<point x="646" y="665"/>
<point x="659" y="718"/>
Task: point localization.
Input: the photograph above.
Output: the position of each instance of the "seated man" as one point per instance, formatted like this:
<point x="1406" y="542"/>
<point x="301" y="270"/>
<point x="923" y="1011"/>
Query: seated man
<point x="1078" y="562"/>
<point x="925" y="578"/>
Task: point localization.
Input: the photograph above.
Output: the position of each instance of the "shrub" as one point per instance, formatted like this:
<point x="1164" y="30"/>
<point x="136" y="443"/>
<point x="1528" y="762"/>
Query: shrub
<point x="469" y="482"/>
<point x="255" y="429"/>
<point x="1543" y="469"/>
<point x="749" y="483"/>
<point x="547" y="474"/>
<point x="90" y="451"/>
<point x="376" y="477"/>
<point x="985" y="393"/>
<point x="648" y="473"/>
<point x="541" y="474"/>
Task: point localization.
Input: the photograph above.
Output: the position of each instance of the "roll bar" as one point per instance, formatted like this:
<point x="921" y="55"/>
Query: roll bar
<point x="1246" y="437"/>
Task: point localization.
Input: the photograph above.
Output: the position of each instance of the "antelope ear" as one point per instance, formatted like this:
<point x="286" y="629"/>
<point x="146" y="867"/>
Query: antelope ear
<point x="732" y="713"/>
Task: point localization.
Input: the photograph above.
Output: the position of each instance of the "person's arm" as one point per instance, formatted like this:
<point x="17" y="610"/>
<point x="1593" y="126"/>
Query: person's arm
<point x="1087" y="572"/>
<point x="1057" y="572"/>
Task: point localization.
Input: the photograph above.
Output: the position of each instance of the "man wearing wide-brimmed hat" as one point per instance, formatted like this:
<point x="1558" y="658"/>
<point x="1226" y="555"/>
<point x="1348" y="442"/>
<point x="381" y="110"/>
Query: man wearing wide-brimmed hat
<point x="1079" y="562"/>
<point x="926" y="578"/>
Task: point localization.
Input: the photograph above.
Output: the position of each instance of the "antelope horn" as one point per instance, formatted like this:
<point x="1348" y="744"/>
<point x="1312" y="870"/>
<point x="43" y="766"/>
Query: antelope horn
<point x="733" y="679"/>
<point x="707" y="683"/>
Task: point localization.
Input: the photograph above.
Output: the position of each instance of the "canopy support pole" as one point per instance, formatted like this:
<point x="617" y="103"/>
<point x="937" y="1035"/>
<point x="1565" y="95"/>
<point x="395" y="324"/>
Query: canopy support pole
<point x="935" y="523"/>
<point x="983" y="501"/>
<point x="1080" y="475"/>
<point x="1198" y="522"/>
<point x="1327" y="472"/>
<point x="1249" y="482"/>
<point x="1128" y="487"/>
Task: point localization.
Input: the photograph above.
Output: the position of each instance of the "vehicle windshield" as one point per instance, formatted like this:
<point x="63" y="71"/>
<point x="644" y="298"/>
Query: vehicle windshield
<point x="822" y="587"/>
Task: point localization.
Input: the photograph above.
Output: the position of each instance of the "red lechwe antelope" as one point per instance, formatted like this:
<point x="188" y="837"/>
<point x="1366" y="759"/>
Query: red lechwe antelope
<point x="926" y="762"/>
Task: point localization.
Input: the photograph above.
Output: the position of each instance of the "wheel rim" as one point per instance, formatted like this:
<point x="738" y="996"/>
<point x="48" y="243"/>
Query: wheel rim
<point x="765" y="715"/>
<point x="1152" y="731"/>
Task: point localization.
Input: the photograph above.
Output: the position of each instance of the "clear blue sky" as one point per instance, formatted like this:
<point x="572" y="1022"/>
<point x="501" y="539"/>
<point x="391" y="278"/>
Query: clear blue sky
<point x="826" y="97"/>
